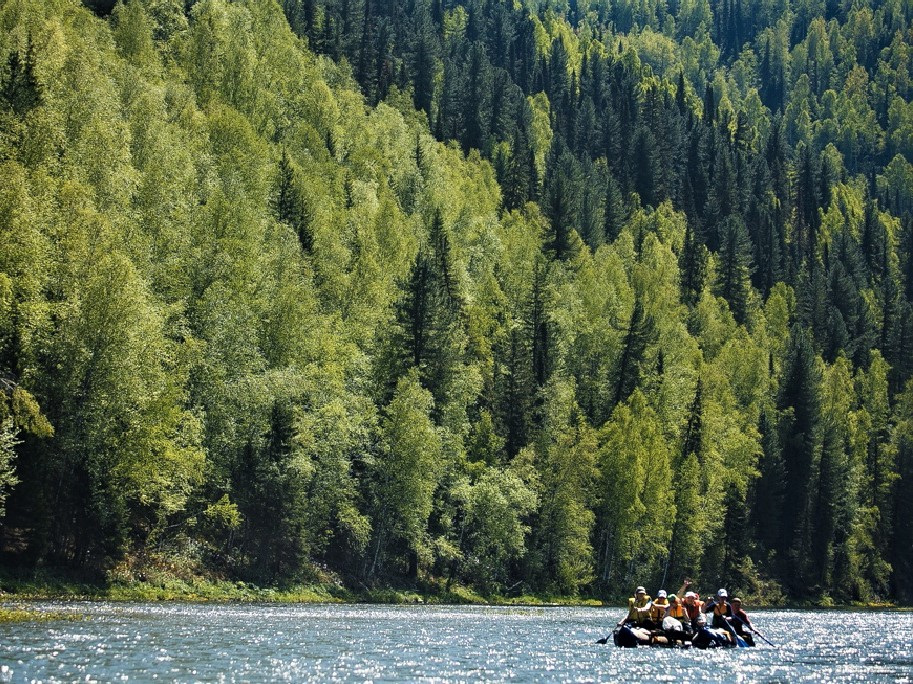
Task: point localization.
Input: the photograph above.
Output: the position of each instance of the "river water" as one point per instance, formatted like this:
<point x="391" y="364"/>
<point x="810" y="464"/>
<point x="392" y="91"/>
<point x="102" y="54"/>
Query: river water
<point x="353" y="643"/>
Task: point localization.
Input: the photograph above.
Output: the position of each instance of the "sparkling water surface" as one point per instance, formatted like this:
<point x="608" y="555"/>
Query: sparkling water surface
<point x="266" y="642"/>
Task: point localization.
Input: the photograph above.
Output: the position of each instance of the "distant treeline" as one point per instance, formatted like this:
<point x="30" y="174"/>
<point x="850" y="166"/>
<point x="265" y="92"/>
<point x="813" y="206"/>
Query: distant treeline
<point x="545" y="297"/>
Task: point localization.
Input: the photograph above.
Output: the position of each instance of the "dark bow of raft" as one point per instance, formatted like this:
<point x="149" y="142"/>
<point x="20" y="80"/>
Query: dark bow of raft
<point x="628" y="636"/>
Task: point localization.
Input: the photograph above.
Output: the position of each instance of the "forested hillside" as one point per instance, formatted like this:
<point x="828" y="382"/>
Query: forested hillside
<point x="544" y="297"/>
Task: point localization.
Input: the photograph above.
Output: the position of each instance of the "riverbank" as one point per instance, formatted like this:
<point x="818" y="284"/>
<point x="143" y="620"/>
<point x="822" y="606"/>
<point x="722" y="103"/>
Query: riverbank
<point x="43" y="587"/>
<point x="205" y="590"/>
<point x="20" y="613"/>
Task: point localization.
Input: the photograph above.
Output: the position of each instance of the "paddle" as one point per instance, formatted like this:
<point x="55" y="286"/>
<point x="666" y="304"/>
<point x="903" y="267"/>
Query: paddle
<point x="740" y="642"/>
<point x="605" y="640"/>
<point x="754" y="631"/>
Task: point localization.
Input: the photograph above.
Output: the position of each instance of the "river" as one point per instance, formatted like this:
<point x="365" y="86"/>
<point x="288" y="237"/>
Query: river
<point x="354" y="643"/>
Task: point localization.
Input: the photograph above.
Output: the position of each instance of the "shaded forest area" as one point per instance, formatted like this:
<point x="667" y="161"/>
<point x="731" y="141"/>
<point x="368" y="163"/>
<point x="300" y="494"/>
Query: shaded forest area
<point x="545" y="297"/>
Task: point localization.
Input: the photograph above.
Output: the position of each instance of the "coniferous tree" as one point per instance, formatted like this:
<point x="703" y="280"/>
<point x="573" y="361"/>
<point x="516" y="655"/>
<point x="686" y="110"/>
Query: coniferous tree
<point x="291" y="207"/>
<point x="475" y="98"/>
<point x="734" y="271"/>
<point x="19" y="89"/>
<point x="646" y="171"/>
<point x="520" y="176"/>
<point x="539" y="327"/>
<point x="692" y="263"/>
<point x="271" y="490"/>
<point x="798" y="405"/>
<point x="710" y="105"/>
<point x="628" y="368"/>
<point x="614" y="210"/>
<point x="806" y="208"/>
<point x="879" y="473"/>
<point x="424" y="65"/>
<point x="685" y="549"/>
<point x="561" y="196"/>
<point x="735" y="535"/>
<point x="764" y="231"/>
<point x="769" y="490"/>
<point x="901" y="556"/>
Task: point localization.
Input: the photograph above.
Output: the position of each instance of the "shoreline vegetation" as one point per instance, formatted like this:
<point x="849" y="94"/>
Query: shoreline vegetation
<point x="19" y="592"/>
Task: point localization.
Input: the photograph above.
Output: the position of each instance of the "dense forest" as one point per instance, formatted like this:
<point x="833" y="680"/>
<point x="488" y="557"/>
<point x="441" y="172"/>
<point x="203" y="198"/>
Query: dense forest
<point x="551" y="296"/>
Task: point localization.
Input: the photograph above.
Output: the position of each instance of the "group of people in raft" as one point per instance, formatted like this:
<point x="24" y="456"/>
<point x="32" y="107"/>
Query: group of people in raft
<point x="685" y="620"/>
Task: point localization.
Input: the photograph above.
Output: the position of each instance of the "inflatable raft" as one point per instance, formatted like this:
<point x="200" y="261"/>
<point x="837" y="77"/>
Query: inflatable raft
<point x="628" y="636"/>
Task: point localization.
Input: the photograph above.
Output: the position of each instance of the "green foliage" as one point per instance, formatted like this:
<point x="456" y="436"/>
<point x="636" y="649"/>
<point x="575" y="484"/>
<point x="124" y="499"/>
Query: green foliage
<point x="636" y="502"/>
<point x="478" y="296"/>
<point x="495" y="531"/>
<point x="8" y="442"/>
<point x="406" y="473"/>
<point x="565" y="460"/>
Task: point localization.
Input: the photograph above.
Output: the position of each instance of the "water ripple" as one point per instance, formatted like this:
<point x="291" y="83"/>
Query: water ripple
<point x="232" y="643"/>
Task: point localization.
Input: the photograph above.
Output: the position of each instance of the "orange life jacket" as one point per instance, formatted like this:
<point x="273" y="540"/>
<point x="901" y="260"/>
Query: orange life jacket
<point x="677" y="611"/>
<point x="721" y="609"/>
<point x="694" y="609"/>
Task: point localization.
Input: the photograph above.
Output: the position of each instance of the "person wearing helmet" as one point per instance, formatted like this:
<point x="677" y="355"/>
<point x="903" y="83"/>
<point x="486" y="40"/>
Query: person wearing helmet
<point x="638" y="608"/>
<point x="676" y="623"/>
<point x="691" y="602"/>
<point x="705" y="637"/>
<point x="722" y="611"/>
<point x="658" y="609"/>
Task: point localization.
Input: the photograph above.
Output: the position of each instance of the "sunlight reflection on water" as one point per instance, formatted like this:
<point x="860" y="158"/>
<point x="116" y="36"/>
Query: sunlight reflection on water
<point x="229" y="643"/>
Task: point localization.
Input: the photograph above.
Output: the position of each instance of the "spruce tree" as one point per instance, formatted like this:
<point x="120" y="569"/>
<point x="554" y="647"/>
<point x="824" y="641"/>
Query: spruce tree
<point x="646" y="168"/>
<point x="290" y="205"/>
<point x="640" y="334"/>
<point x="614" y="211"/>
<point x="19" y="89"/>
<point x="799" y="408"/>
<point x="768" y="491"/>
<point x="423" y="65"/>
<point x="901" y="555"/>
<point x="734" y="270"/>
<point x="561" y="199"/>
<point x="692" y="264"/>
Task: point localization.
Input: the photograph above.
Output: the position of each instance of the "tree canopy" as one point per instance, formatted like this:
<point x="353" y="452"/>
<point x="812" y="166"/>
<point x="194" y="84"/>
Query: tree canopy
<point x="535" y="296"/>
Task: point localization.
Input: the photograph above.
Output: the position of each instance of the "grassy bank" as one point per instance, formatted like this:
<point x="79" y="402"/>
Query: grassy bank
<point x="25" y="614"/>
<point x="51" y="587"/>
<point x="55" y="587"/>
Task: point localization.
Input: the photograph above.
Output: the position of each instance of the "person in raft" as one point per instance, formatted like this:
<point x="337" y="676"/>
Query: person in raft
<point x="676" y="623"/>
<point x="691" y="603"/>
<point x="638" y="609"/>
<point x="741" y="622"/>
<point x="722" y="611"/>
<point x="658" y="610"/>
<point x="705" y="637"/>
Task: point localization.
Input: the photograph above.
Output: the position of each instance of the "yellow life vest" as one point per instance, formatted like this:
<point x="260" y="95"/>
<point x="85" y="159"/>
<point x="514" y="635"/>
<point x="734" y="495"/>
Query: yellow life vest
<point x="634" y="604"/>
<point x="658" y="610"/>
